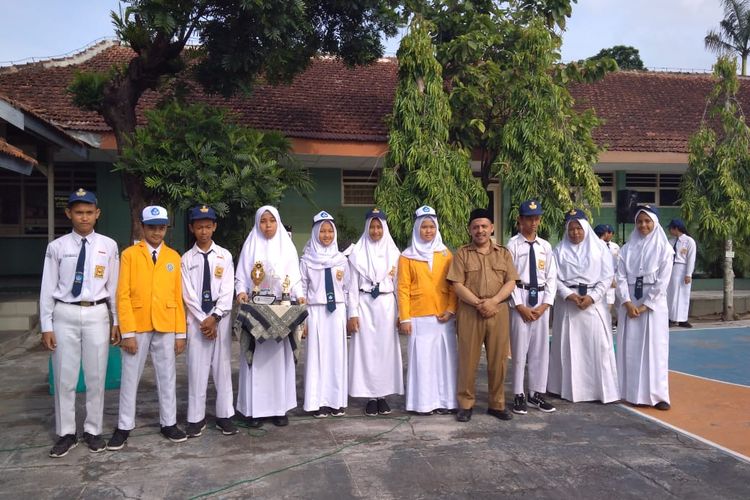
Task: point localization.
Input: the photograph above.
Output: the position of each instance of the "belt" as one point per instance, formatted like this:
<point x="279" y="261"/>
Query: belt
<point x="529" y="287"/>
<point x="370" y="291"/>
<point x="86" y="303"/>
<point x="581" y="287"/>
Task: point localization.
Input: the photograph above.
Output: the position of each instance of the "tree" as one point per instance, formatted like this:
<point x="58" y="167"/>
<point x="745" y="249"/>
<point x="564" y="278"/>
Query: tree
<point x="733" y="35"/>
<point x="510" y="102"/>
<point x="421" y="166"/>
<point x="240" y="40"/>
<point x="715" y="189"/>
<point x="194" y="154"/>
<point x="625" y="56"/>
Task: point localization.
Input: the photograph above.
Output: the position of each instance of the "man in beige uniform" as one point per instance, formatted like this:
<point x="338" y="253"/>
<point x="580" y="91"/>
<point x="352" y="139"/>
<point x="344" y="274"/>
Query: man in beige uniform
<point x="483" y="278"/>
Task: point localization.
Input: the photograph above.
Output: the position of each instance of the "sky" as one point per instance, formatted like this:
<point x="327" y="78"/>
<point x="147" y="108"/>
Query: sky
<point x="668" y="33"/>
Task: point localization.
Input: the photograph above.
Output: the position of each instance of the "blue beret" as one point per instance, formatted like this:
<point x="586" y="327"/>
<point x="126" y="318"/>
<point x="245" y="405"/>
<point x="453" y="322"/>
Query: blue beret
<point x="610" y="229"/>
<point x="575" y="214"/>
<point x="530" y="207"/>
<point x="375" y="213"/>
<point x="81" y="196"/>
<point x="600" y="229"/>
<point x="678" y="224"/>
<point x="202" y="212"/>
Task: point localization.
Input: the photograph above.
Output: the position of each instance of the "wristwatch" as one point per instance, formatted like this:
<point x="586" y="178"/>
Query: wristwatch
<point x="216" y="316"/>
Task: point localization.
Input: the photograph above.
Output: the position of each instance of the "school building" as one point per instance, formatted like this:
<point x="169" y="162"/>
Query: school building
<point x="335" y="118"/>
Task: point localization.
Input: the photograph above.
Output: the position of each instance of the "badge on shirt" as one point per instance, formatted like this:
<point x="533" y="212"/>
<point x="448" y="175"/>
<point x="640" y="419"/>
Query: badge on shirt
<point x="392" y="272"/>
<point x="339" y="274"/>
<point x="683" y="251"/>
<point x="219" y="272"/>
<point x="98" y="271"/>
<point x="540" y="265"/>
<point x="170" y="267"/>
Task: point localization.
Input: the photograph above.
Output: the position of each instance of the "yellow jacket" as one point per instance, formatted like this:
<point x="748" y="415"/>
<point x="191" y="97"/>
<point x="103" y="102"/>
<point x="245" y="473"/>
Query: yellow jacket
<point x="422" y="292"/>
<point x="149" y="296"/>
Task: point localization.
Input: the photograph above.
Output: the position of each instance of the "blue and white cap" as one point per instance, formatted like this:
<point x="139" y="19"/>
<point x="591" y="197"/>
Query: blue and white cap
<point x="81" y="196"/>
<point x="425" y="210"/>
<point x="154" y="215"/>
<point x="321" y="216"/>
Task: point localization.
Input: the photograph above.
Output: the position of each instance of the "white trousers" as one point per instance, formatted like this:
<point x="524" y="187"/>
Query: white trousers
<point x="161" y="348"/>
<point x="82" y="334"/>
<point x="529" y="343"/>
<point x="206" y="356"/>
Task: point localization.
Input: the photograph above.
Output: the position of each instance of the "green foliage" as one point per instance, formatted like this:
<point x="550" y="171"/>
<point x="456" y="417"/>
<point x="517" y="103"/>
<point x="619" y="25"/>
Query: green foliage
<point x="510" y="102"/>
<point x="625" y="56"/>
<point x="715" y="189"/>
<point x="87" y="89"/>
<point x="421" y="166"/>
<point x="193" y="154"/>
<point x="733" y="35"/>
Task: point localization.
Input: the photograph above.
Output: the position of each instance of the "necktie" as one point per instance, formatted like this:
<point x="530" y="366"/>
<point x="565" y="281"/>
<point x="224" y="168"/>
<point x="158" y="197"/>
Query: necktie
<point x="206" y="302"/>
<point x="674" y="247"/>
<point x="533" y="282"/>
<point x="375" y="291"/>
<point x="330" y="296"/>
<point x="153" y="256"/>
<point x="78" y="281"/>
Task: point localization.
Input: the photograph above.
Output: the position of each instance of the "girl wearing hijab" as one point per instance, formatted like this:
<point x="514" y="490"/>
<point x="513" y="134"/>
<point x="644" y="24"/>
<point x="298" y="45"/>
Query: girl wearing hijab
<point x="325" y="273"/>
<point x="681" y="281"/>
<point x="643" y="271"/>
<point x="267" y="388"/>
<point x="375" y="368"/>
<point x="427" y="307"/>
<point x="582" y="362"/>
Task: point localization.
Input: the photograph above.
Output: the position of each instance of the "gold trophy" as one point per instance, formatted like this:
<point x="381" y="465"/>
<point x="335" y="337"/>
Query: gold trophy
<point x="286" y="298"/>
<point x="257" y="275"/>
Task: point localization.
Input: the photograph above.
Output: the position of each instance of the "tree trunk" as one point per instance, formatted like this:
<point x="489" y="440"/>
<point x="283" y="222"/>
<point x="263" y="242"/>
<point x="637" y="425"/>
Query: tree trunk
<point x="728" y="282"/>
<point x="744" y="65"/>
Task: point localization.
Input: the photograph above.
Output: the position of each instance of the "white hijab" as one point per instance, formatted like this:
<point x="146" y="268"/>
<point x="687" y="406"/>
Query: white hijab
<point x="277" y="254"/>
<point x="317" y="255"/>
<point x="588" y="262"/>
<point x="423" y="250"/>
<point x="643" y="254"/>
<point x="374" y="259"/>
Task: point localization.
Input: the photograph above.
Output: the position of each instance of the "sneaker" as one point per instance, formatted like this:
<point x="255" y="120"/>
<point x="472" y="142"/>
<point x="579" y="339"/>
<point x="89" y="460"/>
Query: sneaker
<point x="253" y="423"/>
<point x="519" y="404"/>
<point x="63" y="446"/>
<point x="173" y="433"/>
<point x="464" y="415"/>
<point x="226" y="426"/>
<point x="536" y="399"/>
<point x="338" y="412"/>
<point x="685" y="324"/>
<point x="662" y="405"/>
<point x="323" y="412"/>
<point x="501" y="414"/>
<point x="280" y="420"/>
<point x="195" y="429"/>
<point x="118" y="440"/>
<point x="371" y="410"/>
<point x="96" y="443"/>
<point x="383" y="407"/>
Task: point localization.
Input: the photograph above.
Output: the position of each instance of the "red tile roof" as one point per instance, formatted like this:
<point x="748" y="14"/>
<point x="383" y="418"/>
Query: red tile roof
<point x="14" y="152"/>
<point x="642" y="111"/>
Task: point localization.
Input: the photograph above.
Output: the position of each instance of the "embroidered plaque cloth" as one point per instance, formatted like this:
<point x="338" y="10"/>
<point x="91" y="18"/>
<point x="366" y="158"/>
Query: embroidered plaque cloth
<point x="258" y="323"/>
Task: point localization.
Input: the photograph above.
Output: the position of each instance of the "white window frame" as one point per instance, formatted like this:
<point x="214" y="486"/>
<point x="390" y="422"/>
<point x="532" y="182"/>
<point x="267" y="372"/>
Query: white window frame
<point x="358" y="178"/>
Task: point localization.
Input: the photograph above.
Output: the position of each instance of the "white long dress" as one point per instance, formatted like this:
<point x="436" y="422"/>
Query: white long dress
<point x="643" y="342"/>
<point x="678" y="293"/>
<point x="433" y="365"/>
<point x="582" y="358"/>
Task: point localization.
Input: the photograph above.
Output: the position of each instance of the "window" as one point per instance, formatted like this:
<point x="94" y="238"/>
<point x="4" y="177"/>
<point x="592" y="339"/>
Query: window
<point x="607" y="185"/>
<point x="23" y="199"/>
<point x="358" y="187"/>
<point x="659" y="189"/>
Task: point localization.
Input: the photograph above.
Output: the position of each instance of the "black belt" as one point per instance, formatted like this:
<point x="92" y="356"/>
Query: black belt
<point x="370" y="291"/>
<point x="86" y="303"/>
<point x="529" y="287"/>
<point x="581" y="288"/>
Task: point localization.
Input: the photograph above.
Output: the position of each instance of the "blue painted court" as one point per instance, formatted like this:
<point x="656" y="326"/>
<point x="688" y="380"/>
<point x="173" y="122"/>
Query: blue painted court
<point x="715" y="353"/>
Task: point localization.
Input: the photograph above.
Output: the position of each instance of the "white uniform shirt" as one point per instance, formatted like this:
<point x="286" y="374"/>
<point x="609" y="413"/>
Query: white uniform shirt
<point x="546" y="268"/>
<point x="685" y="252"/>
<point x="358" y="282"/>
<point x="222" y="280"/>
<point x="314" y="287"/>
<point x="100" y="271"/>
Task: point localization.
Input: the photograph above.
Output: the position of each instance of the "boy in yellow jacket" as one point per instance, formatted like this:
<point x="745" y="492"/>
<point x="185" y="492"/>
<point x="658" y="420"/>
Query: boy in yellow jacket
<point x="152" y="320"/>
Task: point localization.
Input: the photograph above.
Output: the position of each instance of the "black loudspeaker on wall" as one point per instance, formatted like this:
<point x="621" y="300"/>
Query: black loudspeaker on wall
<point x="627" y="201"/>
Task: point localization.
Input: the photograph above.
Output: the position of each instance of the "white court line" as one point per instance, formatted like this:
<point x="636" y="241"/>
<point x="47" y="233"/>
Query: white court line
<point x="735" y="454"/>
<point x="710" y="379"/>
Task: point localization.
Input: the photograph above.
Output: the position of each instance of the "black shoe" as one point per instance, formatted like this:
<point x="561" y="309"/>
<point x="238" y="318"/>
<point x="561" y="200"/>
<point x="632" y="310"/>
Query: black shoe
<point x="338" y="412"/>
<point x="226" y="426"/>
<point x="253" y="423"/>
<point x="673" y="323"/>
<point x="96" y="443"/>
<point x="383" y="407"/>
<point x="519" y="404"/>
<point x="118" y="440"/>
<point x="444" y="411"/>
<point x="280" y="420"/>
<point x="685" y="324"/>
<point x="195" y="429"/>
<point x="662" y="405"/>
<point x="323" y="412"/>
<point x="63" y="446"/>
<point x="536" y="399"/>
<point x="464" y="415"/>
<point x="173" y="433"/>
<point x="501" y="414"/>
<point x="371" y="410"/>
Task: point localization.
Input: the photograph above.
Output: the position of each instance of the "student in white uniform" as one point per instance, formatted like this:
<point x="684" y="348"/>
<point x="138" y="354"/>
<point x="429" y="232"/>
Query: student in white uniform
<point x="531" y="300"/>
<point x="78" y="282"/>
<point x="267" y="387"/>
<point x="643" y="315"/>
<point x="605" y="232"/>
<point x="325" y="280"/>
<point x="681" y="281"/>
<point x="582" y="361"/>
<point x="375" y="365"/>
<point x="208" y="291"/>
